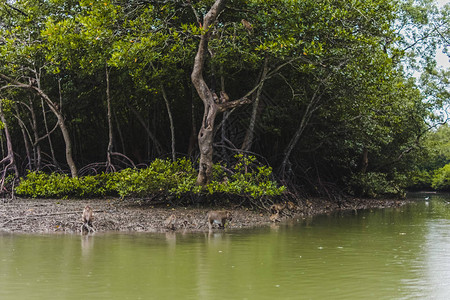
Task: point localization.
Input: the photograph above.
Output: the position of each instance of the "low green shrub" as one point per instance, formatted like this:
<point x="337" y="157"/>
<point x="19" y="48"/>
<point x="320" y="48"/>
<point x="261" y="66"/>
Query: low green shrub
<point x="245" y="178"/>
<point x="161" y="175"/>
<point x="54" y="185"/>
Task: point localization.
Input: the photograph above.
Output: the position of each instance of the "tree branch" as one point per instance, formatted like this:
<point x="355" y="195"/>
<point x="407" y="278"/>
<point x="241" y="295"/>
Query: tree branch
<point x="232" y="104"/>
<point x="16" y="9"/>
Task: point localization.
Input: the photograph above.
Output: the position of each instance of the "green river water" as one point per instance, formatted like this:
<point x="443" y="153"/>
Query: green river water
<point x="401" y="253"/>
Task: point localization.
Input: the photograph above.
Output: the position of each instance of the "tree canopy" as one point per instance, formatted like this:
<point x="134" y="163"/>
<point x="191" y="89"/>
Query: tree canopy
<point x="323" y="91"/>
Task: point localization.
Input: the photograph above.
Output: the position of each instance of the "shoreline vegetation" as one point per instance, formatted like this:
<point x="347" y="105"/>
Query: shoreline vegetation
<point x="164" y="197"/>
<point x="47" y="216"/>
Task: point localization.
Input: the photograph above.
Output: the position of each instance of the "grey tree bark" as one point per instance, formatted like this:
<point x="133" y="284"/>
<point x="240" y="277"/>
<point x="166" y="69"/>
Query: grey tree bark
<point x="54" y="107"/>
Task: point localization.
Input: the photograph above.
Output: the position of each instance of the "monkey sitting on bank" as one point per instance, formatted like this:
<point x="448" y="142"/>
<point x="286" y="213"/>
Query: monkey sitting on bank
<point x="169" y="223"/>
<point x="275" y="217"/>
<point x="277" y="208"/>
<point x="219" y="217"/>
<point x="291" y="206"/>
<point x="87" y="219"/>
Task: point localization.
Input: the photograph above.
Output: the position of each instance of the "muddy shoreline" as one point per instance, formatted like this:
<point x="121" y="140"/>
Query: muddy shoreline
<point x="115" y="215"/>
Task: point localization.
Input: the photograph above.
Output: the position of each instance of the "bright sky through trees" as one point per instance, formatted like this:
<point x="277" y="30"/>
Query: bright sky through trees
<point x="442" y="58"/>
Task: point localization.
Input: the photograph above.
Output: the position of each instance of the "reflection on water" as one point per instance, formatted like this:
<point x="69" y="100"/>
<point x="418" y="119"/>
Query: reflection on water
<point x="401" y="253"/>
<point x="433" y="280"/>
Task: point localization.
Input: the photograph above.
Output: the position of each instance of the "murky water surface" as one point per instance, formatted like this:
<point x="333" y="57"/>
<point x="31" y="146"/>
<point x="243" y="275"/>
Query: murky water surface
<point x="399" y="253"/>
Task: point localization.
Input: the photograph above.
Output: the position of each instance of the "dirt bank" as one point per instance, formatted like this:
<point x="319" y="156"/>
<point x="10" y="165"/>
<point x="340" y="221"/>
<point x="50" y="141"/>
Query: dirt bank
<point x="64" y="216"/>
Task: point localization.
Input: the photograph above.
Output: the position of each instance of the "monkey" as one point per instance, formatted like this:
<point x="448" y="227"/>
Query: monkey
<point x="308" y="203"/>
<point x="291" y="206"/>
<point x="277" y="208"/>
<point x="224" y="179"/>
<point x="215" y="98"/>
<point x="219" y="217"/>
<point x="169" y="223"/>
<point x="247" y="25"/>
<point x="223" y="97"/>
<point x="87" y="215"/>
<point x="275" y="217"/>
<point x="87" y="219"/>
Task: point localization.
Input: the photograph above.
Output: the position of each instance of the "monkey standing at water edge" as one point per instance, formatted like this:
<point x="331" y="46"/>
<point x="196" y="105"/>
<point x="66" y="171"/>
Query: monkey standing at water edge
<point x="219" y="217"/>
<point x="87" y="215"/>
<point x="87" y="219"/>
<point x="275" y="217"/>
<point x="169" y="223"/>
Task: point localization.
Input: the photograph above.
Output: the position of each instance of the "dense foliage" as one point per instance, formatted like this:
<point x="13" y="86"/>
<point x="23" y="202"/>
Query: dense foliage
<point x="433" y="169"/>
<point x="104" y="87"/>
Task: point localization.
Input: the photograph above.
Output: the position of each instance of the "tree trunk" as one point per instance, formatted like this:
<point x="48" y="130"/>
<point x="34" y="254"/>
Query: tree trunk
<point x="211" y="108"/>
<point x="109" y="116"/>
<point x="47" y="134"/>
<point x="37" y="156"/>
<point x="205" y="142"/>
<point x="64" y="131"/>
<point x="119" y="133"/>
<point x="312" y="106"/>
<point x="224" y="123"/>
<point x="193" y="139"/>
<point x="26" y="139"/>
<point x="9" y="159"/>
<point x="364" y="160"/>
<point x="206" y="133"/>
<point x="248" y="140"/>
<point x="56" y="110"/>
<point x="172" y="127"/>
